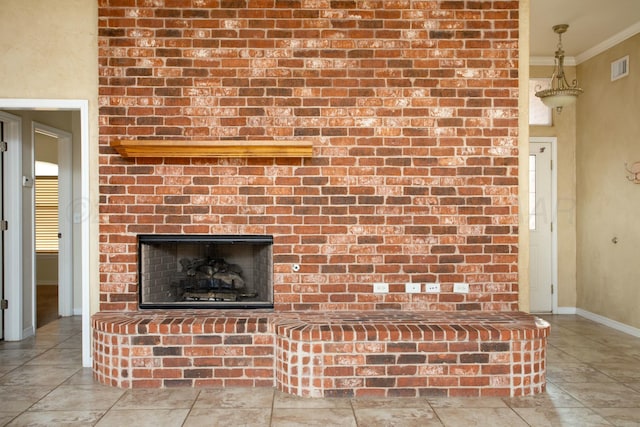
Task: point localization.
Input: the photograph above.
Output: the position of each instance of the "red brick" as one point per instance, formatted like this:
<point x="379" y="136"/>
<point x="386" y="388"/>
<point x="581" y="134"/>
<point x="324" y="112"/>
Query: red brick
<point x="341" y="193"/>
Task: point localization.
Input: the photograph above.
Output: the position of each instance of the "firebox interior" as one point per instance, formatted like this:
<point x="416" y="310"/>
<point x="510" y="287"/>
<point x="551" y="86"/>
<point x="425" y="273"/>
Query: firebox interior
<point x="203" y="271"/>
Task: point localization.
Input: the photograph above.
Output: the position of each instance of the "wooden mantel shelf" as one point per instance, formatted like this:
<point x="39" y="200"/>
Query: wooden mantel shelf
<point x="216" y="148"/>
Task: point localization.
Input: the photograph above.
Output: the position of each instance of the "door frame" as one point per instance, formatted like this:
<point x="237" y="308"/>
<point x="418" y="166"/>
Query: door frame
<point x="82" y="207"/>
<point x="553" y="141"/>
<point x="13" y="236"/>
<point x="65" y="224"/>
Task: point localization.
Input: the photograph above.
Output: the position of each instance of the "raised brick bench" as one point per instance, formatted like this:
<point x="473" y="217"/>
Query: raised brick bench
<point x="315" y="354"/>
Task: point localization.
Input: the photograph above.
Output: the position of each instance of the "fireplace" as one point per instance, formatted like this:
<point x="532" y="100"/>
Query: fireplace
<point x="205" y="271"/>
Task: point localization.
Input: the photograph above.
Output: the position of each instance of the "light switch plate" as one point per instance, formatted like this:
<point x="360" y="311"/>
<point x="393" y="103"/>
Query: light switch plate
<point x="461" y="288"/>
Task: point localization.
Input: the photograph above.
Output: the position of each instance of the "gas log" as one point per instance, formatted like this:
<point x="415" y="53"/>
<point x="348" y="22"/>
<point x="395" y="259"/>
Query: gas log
<point x="212" y="280"/>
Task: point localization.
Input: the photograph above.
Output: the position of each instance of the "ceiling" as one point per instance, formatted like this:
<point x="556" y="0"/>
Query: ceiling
<point x="591" y="22"/>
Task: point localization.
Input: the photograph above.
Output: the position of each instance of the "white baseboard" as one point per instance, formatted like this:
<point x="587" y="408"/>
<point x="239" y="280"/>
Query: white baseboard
<point x="566" y="310"/>
<point x="609" y="322"/>
<point x="77" y="311"/>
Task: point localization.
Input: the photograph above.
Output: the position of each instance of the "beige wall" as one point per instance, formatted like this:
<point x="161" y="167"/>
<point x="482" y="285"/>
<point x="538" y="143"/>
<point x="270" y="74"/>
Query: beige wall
<point x="564" y="129"/>
<point x="51" y="53"/>
<point x="49" y="45"/>
<point x="608" y="135"/>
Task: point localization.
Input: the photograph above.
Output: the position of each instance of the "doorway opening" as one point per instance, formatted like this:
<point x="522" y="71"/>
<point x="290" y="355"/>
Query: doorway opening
<point x="53" y="246"/>
<point x="46" y="203"/>
<point x="24" y="116"/>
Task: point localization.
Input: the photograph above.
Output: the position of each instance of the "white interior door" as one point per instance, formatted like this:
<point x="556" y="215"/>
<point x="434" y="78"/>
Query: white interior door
<point x="541" y="227"/>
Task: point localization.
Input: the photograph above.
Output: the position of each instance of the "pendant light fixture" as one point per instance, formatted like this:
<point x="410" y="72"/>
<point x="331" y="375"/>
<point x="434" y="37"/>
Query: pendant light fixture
<point x="561" y="92"/>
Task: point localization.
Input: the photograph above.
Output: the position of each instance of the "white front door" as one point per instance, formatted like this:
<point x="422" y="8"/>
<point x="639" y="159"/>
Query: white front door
<point x="541" y="227"/>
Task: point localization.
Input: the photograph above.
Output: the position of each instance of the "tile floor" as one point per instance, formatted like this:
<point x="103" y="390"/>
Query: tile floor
<point x="593" y="380"/>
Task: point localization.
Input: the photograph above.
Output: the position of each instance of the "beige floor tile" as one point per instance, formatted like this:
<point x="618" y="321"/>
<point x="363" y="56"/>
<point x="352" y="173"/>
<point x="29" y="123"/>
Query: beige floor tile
<point x="322" y="417"/>
<point x="79" y="397"/>
<point x="466" y="417"/>
<point x="395" y="402"/>
<point x="575" y="373"/>
<point x="561" y="417"/>
<point x="468" y="402"/>
<point x="83" y="376"/>
<point x="18" y="356"/>
<point x="591" y="355"/>
<point x="283" y="400"/>
<point x="556" y="356"/>
<point x="21" y="398"/>
<point x="25" y="344"/>
<point x="38" y="375"/>
<point x="235" y="398"/>
<point x="58" y="356"/>
<point x="553" y="397"/>
<point x="71" y="342"/>
<point x="7" y="368"/>
<point x="622" y="372"/>
<point x="245" y="417"/>
<point x="625" y="417"/>
<point x="161" y="399"/>
<point x="392" y="417"/>
<point x="56" y="418"/>
<point x="603" y="395"/>
<point x="633" y="386"/>
<point x="144" y="418"/>
<point x="566" y="341"/>
<point x="5" y="417"/>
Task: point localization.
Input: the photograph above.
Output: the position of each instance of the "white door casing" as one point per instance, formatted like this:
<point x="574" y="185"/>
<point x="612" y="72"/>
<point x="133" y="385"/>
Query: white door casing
<point x="2" y="149"/>
<point x="542" y="226"/>
<point x="13" y="235"/>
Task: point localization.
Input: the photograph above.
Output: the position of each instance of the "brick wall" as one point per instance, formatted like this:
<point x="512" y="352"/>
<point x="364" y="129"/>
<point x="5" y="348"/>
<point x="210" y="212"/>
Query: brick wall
<point x="412" y="110"/>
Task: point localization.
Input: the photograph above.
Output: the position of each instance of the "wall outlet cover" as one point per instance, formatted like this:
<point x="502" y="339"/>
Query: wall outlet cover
<point x="412" y="288"/>
<point x="461" y="288"/>
<point x="432" y="288"/>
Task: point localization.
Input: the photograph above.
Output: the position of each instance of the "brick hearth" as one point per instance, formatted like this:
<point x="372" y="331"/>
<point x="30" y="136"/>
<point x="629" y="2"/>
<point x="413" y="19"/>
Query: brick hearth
<point x="325" y="355"/>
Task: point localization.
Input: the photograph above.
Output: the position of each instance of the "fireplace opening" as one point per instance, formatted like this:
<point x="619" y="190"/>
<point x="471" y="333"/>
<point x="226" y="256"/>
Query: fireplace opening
<point x="205" y="271"/>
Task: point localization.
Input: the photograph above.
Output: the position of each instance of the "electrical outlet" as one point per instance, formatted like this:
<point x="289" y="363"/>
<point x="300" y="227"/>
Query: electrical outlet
<point x="432" y="288"/>
<point x="412" y="288"/>
<point x="380" y="288"/>
<point x="461" y="288"/>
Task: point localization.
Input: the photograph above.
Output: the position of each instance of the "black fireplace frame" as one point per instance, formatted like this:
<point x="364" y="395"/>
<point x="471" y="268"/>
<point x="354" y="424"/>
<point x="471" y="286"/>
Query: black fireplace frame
<point x="250" y="239"/>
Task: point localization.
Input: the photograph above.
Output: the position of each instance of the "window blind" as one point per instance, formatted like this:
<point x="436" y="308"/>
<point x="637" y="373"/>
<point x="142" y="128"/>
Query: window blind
<point x="46" y="214"/>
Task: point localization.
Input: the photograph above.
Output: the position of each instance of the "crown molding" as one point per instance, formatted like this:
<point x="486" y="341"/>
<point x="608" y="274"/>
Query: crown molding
<point x="608" y="43"/>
